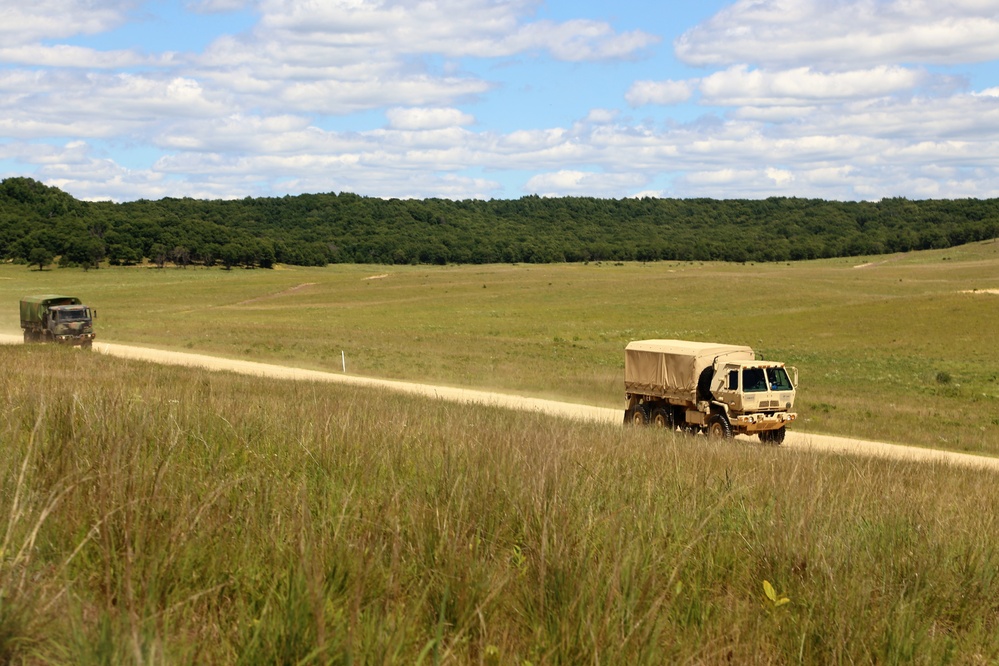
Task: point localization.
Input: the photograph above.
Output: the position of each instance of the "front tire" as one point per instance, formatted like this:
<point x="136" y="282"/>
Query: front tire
<point x="775" y="437"/>
<point x="719" y="427"/>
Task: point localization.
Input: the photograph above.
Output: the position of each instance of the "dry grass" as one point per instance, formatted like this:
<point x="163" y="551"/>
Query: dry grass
<point x="165" y="515"/>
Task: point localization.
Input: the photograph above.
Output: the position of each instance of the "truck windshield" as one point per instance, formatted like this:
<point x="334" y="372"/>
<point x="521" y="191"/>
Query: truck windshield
<point x="765" y="379"/>
<point x="71" y="315"/>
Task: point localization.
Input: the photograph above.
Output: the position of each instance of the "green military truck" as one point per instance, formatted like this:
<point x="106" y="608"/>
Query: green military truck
<point x="54" y="318"/>
<point x="721" y="390"/>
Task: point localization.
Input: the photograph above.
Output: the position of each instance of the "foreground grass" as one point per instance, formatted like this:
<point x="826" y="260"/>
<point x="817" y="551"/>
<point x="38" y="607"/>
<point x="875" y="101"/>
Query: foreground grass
<point x="900" y="350"/>
<point x="166" y="515"/>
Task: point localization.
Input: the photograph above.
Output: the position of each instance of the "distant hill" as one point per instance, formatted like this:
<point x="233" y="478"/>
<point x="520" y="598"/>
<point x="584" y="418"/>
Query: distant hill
<point x="37" y="221"/>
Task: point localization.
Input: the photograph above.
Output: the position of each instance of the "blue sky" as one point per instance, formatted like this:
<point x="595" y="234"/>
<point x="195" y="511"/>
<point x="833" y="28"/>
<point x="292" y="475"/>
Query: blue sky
<point x="836" y="99"/>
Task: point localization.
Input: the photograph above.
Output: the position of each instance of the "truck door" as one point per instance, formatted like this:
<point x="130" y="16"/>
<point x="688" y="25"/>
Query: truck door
<point x="726" y="386"/>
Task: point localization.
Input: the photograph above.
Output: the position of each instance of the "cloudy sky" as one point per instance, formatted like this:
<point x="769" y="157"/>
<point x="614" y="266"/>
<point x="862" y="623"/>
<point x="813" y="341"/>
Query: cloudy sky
<point x="837" y="99"/>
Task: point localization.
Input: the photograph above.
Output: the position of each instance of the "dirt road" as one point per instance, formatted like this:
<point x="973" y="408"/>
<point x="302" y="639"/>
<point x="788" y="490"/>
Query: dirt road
<point x="795" y="439"/>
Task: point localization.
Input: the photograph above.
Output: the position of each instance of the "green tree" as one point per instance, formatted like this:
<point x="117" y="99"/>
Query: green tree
<point x="231" y="255"/>
<point x="158" y="254"/>
<point x="40" y="257"/>
<point x="123" y="255"/>
<point x="85" y="251"/>
<point x="181" y="256"/>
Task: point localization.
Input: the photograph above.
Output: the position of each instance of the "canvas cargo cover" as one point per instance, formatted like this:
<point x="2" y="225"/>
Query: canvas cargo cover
<point x="33" y="307"/>
<point x="672" y="367"/>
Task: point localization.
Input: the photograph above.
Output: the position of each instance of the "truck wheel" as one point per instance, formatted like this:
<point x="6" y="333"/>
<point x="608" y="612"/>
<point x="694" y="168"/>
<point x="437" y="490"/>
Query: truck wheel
<point x="662" y="418"/>
<point x="637" y="416"/>
<point x="775" y="437"/>
<point x="87" y="345"/>
<point x="27" y="337"/>
<point x="719" y="427"/>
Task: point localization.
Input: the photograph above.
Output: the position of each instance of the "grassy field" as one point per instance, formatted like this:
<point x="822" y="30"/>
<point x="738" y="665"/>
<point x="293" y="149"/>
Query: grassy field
<point x="165" y="515"/>
<point x="899" y="350"/>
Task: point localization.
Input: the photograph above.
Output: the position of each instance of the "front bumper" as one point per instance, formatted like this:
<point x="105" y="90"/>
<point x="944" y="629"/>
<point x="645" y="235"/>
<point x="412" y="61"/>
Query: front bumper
<point x="762" y="422"/>
<point x="74" y="339"/>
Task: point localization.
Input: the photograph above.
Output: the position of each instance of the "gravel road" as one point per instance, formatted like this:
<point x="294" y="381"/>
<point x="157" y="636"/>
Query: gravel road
<point x="795" y="439"/>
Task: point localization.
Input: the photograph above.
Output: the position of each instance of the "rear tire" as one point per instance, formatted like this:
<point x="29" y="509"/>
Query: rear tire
<point x="775" y="437"/>
<point x="719" y="427"/>
<point x="662" y="418"/>
<point x="637" y="416"/>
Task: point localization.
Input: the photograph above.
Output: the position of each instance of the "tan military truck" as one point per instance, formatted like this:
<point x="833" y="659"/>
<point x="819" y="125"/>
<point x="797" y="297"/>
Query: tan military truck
<point x="720" y="390"/>
<point x="54" y="318"/>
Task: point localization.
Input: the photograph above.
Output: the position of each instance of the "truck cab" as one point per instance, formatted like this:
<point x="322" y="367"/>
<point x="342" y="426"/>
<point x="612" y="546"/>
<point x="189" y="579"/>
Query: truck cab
<point x="758" y="396"/>
<point x="70" y="322"/>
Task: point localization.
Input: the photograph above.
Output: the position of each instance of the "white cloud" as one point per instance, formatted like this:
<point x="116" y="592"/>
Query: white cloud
<point x="576" y="41"/>
<point x="342" y="97"/>
<point x="325" y="172"/>
<point x="68" y="103"/>
<point x="836" y="33"/>
<point x="242" y="134"/>
<point x="969" y="117"/>
<point x="454" y="28"/>
<point x="77" y="57"/>
<point x="426" y="118"/>
<point x="659" y="92"/>
<point x="740" y="86"/>
<point x="218" y="6"/>
<point x="568" y="182"/>
<point x="780" y="177"/>
<point x="325" y="80"/>
<point x="652" y="194"/>
<point x="602" y="116"/>
<point x="73" y="152"/>
<point x="35" y="20"/>
<point x="75" y="168"/>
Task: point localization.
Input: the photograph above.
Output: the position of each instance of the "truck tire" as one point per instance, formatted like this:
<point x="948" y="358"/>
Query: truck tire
<point x="638" y="416"/>
<point x="719" y="427"/>
<point x="775" y="437"/>
<point x="662" y="418"/>
<point x="87" y="345"/>
<point x="27" y="336"/>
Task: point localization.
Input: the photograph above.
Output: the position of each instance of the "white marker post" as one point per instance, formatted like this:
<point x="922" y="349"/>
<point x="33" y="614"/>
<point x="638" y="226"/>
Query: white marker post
<point x="343" y="360"/>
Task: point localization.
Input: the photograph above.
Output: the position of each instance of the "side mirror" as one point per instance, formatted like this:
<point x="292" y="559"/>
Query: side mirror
<point x="795" y="371"/>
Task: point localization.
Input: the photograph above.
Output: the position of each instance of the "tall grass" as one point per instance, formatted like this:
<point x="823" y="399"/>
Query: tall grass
<point x="166" y="515"/>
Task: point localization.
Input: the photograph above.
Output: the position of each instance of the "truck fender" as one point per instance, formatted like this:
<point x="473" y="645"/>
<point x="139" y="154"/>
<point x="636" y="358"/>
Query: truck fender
<point x="723" y="408"/>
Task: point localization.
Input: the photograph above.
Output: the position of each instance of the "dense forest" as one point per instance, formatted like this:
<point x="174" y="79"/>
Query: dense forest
<point x="40" y="225"/>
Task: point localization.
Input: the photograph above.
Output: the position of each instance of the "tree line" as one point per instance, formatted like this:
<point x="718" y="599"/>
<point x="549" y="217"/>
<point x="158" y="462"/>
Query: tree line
<point x="41" y="224"/>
